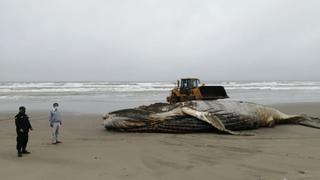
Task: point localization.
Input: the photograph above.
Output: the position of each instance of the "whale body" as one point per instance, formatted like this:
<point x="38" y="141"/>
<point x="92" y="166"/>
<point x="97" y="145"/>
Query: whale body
<point x="221" y="116"/>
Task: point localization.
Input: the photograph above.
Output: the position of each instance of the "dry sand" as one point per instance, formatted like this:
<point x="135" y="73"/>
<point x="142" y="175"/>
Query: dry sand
<point x="89" y="152"/>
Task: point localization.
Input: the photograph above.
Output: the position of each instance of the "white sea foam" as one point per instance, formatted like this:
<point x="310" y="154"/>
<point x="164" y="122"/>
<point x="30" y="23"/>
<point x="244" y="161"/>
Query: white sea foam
<point x="297" y="85"/>
<point x="7" y="89"/>
<point x="85" y="87"/>
<point x="122" y="94"/>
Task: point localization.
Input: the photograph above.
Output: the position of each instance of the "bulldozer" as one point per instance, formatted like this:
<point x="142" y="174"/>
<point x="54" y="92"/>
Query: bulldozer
<point x="191" y="89"/>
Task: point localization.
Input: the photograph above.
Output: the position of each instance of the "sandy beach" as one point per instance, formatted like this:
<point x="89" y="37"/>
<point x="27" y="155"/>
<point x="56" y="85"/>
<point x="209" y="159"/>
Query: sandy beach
<point x="97" y="57"/>
<point x="90" y="152"/>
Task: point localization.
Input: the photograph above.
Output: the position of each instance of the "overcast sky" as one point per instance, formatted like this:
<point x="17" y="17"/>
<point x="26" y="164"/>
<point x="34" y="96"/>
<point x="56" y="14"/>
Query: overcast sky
<point x="104" y="40"/>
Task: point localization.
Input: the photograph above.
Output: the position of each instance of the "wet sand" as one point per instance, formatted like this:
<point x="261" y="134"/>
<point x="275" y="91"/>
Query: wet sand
<point x="90" y="152"/>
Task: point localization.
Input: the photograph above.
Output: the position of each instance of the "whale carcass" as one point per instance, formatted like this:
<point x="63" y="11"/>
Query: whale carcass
<point x="222" y="116"/>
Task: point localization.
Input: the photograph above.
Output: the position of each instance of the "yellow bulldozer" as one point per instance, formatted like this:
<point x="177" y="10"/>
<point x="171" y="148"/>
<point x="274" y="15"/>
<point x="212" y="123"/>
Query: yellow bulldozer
<point x="191" y="89"/>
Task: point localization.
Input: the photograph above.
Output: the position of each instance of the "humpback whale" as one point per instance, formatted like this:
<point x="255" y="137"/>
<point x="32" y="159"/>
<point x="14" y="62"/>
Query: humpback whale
<point x="220" y="116"/>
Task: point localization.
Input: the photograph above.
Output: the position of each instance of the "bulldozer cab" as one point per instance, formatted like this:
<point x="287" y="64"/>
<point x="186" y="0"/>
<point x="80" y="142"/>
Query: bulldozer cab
<point x="188" y="84"/>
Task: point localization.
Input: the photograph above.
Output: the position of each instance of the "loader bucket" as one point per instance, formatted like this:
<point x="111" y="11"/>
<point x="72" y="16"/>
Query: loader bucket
<point x="213" y="92"/>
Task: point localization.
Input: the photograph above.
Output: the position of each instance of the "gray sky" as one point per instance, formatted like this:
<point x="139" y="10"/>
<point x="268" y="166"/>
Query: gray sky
<point x="65" y="40"/>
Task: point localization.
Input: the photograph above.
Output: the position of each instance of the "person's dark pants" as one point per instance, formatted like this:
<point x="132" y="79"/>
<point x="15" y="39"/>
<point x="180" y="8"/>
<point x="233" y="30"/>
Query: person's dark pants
<point x="22" y="141"/>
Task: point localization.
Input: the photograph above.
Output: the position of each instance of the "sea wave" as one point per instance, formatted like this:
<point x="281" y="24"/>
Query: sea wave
<point x="297" y="85"/>
<point x="83" y="87"/>
<point x="131" y="87"/>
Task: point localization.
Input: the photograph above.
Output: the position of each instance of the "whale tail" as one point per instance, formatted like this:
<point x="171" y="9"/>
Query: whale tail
<point x="309" y="121"/>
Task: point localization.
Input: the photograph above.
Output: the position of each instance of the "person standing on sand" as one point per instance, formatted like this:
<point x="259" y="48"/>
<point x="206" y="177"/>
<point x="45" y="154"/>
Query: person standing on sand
<point x="55" y="123"/>
<point x="22" y="128"/>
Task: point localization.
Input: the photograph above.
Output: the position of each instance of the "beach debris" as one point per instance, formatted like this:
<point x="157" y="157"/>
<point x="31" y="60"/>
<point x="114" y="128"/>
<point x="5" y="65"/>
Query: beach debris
<point x="221" y="116"/>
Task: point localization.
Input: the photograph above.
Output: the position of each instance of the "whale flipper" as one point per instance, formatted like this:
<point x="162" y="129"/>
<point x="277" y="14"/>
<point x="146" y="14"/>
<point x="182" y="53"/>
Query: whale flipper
<point x="208" y="118"/>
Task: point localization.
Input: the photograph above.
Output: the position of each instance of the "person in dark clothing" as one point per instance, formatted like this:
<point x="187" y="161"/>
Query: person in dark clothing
<point x="22" y="127"/>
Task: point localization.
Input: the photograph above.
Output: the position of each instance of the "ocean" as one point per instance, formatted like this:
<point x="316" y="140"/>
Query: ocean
<point x="102" y="97"/>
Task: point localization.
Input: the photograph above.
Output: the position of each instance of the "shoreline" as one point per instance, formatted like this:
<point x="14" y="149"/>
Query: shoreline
<point x="289" y="107"/>
<point x="310" y="108"/>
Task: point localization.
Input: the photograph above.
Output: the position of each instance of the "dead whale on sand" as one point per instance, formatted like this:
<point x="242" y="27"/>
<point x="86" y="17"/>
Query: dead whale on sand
<point x="222" y="116"/>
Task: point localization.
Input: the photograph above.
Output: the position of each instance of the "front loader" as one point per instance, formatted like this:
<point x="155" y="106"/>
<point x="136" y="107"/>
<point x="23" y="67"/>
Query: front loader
<point x="190" y="89"/>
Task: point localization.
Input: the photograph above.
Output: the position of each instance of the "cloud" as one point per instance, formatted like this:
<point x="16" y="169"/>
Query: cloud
<point x="159" y="40"/>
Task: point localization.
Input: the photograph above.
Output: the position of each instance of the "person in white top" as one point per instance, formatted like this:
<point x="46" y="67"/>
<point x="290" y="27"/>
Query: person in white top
<point x="55" y="123"/>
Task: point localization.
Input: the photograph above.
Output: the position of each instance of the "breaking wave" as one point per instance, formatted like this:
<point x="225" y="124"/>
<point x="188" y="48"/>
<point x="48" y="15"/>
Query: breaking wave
<point x="13" y="89"/>
<point x="298" y="85"/>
